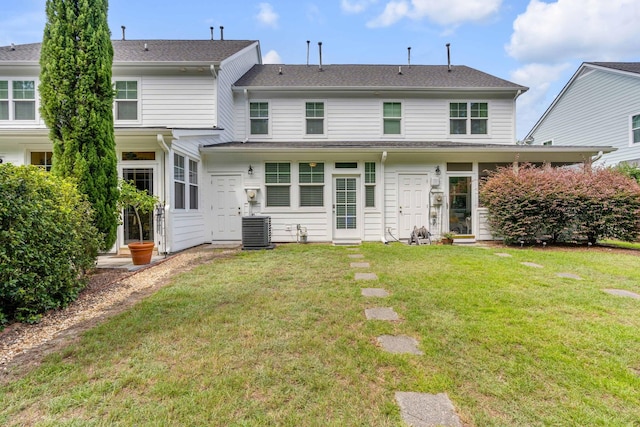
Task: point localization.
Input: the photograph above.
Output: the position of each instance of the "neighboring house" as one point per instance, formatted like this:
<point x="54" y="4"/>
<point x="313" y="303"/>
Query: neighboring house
<point x="600" y="105"/>
<point x="338" y="153"/>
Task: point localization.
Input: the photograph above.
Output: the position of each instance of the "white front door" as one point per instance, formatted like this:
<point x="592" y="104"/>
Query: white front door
<point x="346" y="218"/>
<point x="227" y="207"/>
<point x="413" y="197"/>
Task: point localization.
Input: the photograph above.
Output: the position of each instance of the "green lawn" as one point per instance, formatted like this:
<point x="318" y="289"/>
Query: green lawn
<point x="280" y="338"/>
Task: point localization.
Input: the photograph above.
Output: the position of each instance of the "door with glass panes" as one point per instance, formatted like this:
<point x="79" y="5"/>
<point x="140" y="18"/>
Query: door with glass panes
<point x="142" y="178"/>
<point x="346" y="194"/>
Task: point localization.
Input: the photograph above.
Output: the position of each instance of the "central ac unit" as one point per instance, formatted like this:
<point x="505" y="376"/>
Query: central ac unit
<point x="256" y="232"/>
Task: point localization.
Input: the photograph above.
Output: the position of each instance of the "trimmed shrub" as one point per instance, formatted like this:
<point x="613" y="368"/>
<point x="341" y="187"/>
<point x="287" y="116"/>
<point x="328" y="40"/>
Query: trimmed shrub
<point x="531" y="203"/>
<point x="47" y="242"/>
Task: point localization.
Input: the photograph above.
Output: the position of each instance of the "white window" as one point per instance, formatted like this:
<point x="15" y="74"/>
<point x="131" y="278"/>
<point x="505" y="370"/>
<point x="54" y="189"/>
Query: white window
<point x="126" y="100"/>
<point x="259" y="117"/>
<point x="314" y="112"/>
<point x="193" y="184"/>
<point x="311" y="179"/>
<point x="635" y="129"/>
<point x="278" y="183"/>
<point x="392" y="118"/>
<point x="17" y="100"/>
<point x="179" y="181"/>
<point x="468" y="118"/>
<point x="370" y="184"/>
<point x="42" y="159"/>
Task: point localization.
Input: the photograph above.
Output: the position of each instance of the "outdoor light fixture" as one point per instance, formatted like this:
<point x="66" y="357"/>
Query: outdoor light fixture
<point x="313" y="164"/>
<point x="250" y="171"/>
<point x="438" y="170"/>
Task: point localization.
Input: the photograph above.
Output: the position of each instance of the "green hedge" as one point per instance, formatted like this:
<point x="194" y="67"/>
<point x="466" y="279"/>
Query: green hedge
<point x="47" y="242"/>
<point x="528" y="204"/>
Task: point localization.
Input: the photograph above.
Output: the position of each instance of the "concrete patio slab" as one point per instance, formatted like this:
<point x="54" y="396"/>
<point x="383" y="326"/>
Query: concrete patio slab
<point x="532" y="264"/>
<point x="427" y="410"/>
<point x="366" y="276"/>
<point x="360" y="265"/>
<point x="356" y="256"/>
<point x="569" y="276"/>
<point x="502" y="254"/>
<point x="381" y="313"/>
<point x="374" y="292"/>
<point x="622" y="293"/>
<point x="399" y="344"/>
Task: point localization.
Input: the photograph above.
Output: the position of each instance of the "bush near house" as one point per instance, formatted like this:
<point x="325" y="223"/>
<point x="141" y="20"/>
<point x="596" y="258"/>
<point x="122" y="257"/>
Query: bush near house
<point x="47" y="241"/>
<point x="528" y="203"/>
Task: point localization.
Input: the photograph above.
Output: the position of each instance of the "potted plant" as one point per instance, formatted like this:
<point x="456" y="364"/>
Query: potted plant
<point x="447" y="238"/>
<point x="141" y="202"/>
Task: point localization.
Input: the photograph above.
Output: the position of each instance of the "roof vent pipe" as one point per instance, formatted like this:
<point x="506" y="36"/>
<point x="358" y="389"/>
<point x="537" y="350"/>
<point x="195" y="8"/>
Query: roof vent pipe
<point x="146" y="47"/>
<point x="221" y="32"/>
<point x="123" y="30"/>
<point x="399" y="69"/>
<point x="449" y="57"/>
<point x="211" y="29"/>
<point x="409" y="55"/>
<point x="13" y="46"/>
<point x="320" y="50"/>
<point x="308" y="45"/>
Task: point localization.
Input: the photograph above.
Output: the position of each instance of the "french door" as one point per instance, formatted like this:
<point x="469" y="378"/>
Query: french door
<point x="142" y="178"/>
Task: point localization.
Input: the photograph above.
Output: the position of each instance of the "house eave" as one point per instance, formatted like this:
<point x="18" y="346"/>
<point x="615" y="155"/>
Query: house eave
<point x="378" y="88"/>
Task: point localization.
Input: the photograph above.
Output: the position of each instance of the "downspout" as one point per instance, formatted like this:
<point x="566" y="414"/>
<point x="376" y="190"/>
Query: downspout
<point x="383" y="203"/>
<point x="518" y="93"/>
<point x="167" y="184"/>
<point x="247" y="121"/>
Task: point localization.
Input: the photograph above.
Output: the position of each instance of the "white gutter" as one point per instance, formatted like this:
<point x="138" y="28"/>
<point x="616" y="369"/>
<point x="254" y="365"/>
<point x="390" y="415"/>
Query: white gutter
<point x="383" y="203"/>
<point x="167" y="185"/>
<point x="212" y="69"/>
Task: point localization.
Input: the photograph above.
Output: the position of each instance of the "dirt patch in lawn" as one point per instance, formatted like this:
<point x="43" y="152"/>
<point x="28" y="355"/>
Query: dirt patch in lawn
<point x="108" y="292"/>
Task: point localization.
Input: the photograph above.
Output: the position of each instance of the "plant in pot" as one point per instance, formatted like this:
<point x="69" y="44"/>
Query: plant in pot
<point x="447" y="238"/>
<point x="141" y="202"/>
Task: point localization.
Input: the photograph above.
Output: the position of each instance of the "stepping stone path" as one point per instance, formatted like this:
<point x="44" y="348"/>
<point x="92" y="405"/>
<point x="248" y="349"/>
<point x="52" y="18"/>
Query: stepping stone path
<point x="569" y="276"/>
<point x="427" y="410"/>
<point x="360" y="265"/>
<point x="366" y="276"/>
<point x="532" y="264"/>
<point x="381" y="313"/>
<point x="622" y="293"/>
<point x="503" y="255"/>
<point x="399" y="344"/>
<point x="417" y="409"/>
<point x="374" y="292"/>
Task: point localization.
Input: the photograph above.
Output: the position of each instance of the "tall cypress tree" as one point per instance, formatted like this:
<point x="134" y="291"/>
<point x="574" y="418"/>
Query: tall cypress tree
<point x="76" y="103"/>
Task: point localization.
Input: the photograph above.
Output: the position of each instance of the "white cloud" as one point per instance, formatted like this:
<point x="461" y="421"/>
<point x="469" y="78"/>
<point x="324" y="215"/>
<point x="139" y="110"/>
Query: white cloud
<point x="355" y="6"/>
<point x="267" y="16"/>
<point x="272" y="57"/>
<point x="585" y="30"/>
<point x="532" y="104"/>
<point x="450" y="12"/>
<point x="314" y="14"/>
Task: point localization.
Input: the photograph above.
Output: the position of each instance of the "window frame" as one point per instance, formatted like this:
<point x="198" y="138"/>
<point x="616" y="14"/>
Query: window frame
<point x="303" y="185"/>
<point x="386" y="119"/>
<point x="370" y="179"/>
<point x="279" y="182"/>
<point x="117" y="100"/>
<point x="47" y="157"/>
<point x="266" y="118"/>
<point x="194" y="188"/>
<point x="11" y="102"/>
<point x="633" y="141"/>
<point x="469" y="119"/>
<point x="182" y="203"/>
<point x="321" y="119"/>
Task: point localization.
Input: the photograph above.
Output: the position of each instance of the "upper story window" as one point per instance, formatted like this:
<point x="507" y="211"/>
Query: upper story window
<point x="42" y="159"/>
<point x="468" y="118"/>
<point x="311" y="178"/>
<point x="126" y="100"/>
<point x="635" y="129"/>
<point x="277" y="180"/>
<point x="17" y="100"/>
<point x="315" y="118"/>
<point x="392" y="118"/>
<point x="259" y="117"/>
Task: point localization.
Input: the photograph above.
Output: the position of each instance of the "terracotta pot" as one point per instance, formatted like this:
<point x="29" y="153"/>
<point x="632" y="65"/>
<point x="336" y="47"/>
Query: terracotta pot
<point x="141" y="252"/>
<point x="446" y="241"/>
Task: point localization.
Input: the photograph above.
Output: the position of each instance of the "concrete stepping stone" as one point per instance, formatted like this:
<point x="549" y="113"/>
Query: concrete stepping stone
<point x="622" y="293"/>
<point x="374" y="292"/>
<point x="569" y="276"/>
<point x="399" y="344"/>
<point x="353" y="248"/>
<point x="503" y="255"/>
<point x="532" y="264"/>
<point x="427" y="410"/>
<point x="360" y="265"/>
<point x="356" y="256"/>
<point x="381" y="313"/>
<point x="366" y="276"/>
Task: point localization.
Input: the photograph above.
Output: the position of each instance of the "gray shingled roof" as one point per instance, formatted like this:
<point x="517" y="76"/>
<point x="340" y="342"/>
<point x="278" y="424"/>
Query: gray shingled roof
<point x="208" y="51"/>
<point x="363" y="76"/>
<point x="631" y="67"/>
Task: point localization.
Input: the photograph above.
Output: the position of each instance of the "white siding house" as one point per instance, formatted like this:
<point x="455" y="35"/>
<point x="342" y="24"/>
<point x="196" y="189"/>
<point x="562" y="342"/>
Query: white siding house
<point x="600" y="105"/>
